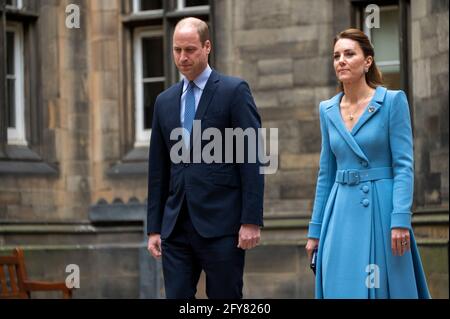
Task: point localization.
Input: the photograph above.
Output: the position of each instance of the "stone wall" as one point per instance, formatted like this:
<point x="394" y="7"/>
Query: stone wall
<point x="106" y="100"/>
<point x="430" y="47"/>
<point x="107" y="257"/>
<point x="430" y="100"/>
<point x="283" y="51"/>
<point x="66" y="142"/>
<point x="49" y="215"/>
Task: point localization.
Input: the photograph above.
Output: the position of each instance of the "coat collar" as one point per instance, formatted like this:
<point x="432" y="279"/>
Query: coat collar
<point x="334" y="114"/>
<point x="377" y="98"/>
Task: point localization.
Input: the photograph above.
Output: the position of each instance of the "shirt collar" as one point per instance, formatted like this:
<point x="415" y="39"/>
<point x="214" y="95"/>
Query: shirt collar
<point x="201" y="80"/>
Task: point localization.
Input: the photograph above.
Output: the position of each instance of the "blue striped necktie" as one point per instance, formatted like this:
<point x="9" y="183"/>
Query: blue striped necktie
<point x="189" y="111"/>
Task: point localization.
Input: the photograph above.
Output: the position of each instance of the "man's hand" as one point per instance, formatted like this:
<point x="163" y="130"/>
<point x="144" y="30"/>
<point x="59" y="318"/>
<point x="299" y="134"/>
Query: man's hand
<point x="154" y="245"/>
<point x="249" y="236"/>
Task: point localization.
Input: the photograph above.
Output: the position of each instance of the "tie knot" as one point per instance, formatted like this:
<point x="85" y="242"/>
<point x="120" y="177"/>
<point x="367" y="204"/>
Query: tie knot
<point x="192" y="85"/>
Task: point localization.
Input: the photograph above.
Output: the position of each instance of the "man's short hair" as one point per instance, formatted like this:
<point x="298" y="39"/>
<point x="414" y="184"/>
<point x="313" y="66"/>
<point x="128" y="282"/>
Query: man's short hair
<point x="200" y="25"/>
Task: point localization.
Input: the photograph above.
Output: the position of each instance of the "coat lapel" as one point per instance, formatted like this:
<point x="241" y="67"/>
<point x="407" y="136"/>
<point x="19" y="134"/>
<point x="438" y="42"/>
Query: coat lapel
<point x="333" y="113"/>
<point x="374" y="105"/>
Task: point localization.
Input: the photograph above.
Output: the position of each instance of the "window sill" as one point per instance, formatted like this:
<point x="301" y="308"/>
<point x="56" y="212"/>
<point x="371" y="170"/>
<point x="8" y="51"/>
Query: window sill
<point x="135" y="163"/>
<point x="21" y="15"/>
<point x="20" y="160"/>
<point x="189" y="11"/>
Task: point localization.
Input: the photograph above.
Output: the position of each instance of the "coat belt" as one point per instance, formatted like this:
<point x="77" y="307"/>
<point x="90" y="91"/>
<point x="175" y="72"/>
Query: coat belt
<point x="356" y="176"/>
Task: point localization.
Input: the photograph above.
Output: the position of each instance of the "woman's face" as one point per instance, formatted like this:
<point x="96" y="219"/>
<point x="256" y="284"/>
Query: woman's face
<point x="349" y="61"/>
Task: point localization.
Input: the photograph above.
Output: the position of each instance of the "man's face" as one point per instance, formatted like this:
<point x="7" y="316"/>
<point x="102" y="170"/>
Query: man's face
<point x="190" y="56"/>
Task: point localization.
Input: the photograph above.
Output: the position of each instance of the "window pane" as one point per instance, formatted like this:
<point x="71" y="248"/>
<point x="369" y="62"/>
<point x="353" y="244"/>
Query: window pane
<point x="194" y="3"/>
<point x="151" y="91"/>
<point x="151" y="5"/>
<point x="386" y="38"/>
<point x="10" y="2"/>
<point x="152" y="57"/>
<point x="386" y="42"/>
<point x="10" y="53"/>
<point x="11" y="102"/>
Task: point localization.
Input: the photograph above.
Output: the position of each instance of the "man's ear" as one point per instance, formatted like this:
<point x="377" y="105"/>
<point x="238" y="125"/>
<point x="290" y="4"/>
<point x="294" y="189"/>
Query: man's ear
<point x="208" y="45"/>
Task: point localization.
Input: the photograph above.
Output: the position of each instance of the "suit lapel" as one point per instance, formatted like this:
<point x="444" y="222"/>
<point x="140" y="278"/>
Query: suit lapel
<point x="205" y="100"/>
<point x="334" y="115"/>
<point x="175" y="107"/>
<point x="374" y="105"/>
<point x="208" y="93"/>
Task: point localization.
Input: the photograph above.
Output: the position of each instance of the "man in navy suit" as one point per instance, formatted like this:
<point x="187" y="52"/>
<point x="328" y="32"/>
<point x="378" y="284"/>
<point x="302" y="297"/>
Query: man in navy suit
<point x="202" y="215"/>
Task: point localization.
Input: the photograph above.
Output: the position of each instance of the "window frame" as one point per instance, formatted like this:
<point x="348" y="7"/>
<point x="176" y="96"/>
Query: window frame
<point x="142" y="135"/>
<point x="136" y="9"/>
<point x="17" y="136"/>
<point x="181" y="6"/>
<point x="17" y="6"/>
<point x="133" y="160"/>
<point x="358" y="7"/>
<point x="368" y="32"/>
<point x="36" y="158"/>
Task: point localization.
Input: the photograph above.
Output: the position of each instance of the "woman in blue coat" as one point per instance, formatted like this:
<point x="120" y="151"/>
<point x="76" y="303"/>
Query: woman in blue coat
<point x="361" y="222"/>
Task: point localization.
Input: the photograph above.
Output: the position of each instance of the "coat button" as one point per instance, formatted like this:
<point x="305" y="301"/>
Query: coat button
<point x="186" y="165"/>
<point x="364" y="163"/>
<point x="365" y="202"/>
<point x="365" y="189"/>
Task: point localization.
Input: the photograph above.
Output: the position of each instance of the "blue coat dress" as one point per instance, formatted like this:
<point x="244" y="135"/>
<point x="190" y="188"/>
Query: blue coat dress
<point x="365" y="188"/>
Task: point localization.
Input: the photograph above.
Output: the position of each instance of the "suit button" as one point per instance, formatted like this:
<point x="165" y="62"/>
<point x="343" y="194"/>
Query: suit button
<point x="365" y="202"/>
<point x="186" y="165"/>
<point x="365" y="189"/>
<point x="364" y="163"/>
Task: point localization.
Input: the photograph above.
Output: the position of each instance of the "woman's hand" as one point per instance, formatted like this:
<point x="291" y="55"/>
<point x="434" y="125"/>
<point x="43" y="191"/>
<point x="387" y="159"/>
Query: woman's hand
<point x="400" y="241"/>
<point x="310" y="245"/>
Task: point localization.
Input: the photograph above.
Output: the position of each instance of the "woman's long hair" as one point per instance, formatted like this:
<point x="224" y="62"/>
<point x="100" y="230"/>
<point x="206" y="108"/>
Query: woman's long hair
<point x="373" y="75"/>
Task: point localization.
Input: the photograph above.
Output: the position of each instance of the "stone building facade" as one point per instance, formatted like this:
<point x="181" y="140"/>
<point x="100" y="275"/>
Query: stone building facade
<point x="73" y="188"/>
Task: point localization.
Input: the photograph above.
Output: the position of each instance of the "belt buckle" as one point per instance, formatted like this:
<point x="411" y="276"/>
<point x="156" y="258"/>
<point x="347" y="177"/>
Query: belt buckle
<point x="353" y="177"/>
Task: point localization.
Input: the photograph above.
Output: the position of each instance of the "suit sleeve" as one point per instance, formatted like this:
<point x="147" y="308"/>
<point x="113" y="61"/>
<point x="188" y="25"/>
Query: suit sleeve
<point x="401" y="144"/>
<point x="245" y="115"/>
<point x="158" y="174"/>
<point x="325" y="179"/>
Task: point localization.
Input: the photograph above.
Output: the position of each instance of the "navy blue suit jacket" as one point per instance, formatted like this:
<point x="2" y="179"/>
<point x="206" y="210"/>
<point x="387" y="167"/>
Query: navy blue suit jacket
<point x="219" y="196"/>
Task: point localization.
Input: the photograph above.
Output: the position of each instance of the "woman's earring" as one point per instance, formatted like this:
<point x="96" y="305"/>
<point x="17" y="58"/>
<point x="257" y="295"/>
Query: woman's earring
<point x="366" y="70"/>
